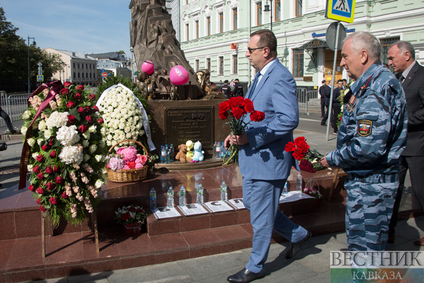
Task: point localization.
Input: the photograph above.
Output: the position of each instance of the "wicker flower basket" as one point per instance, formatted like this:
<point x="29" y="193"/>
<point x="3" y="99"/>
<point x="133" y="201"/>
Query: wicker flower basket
<point x="131" y="175"/>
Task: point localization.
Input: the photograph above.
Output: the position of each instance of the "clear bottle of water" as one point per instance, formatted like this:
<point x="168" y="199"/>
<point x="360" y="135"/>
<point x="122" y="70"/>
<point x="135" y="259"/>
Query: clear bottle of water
<point x="166" y="154"/>
<point x="223" y="191"/>
<point x="171" y="153"/>
<point x="170" y="195"/>
<point x="199" y="196"/>
<point x="162" y="154"/>
<point x="152" y="197"/>
<point x="299" y="183"/>
<point x="223" y="151"/>
<point x="285" y="191"/>
<point x="214" y="150"/>
<point x="218" y="150"/>
<point x="182" y="199"/>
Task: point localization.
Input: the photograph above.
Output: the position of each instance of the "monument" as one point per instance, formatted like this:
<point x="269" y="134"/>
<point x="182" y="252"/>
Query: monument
<point x="174" y="121"/>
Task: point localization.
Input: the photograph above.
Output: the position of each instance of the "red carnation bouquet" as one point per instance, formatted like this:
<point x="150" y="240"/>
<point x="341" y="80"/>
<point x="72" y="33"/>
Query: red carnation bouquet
<point x="237" y="108"/>
<point x="308" y="159"/>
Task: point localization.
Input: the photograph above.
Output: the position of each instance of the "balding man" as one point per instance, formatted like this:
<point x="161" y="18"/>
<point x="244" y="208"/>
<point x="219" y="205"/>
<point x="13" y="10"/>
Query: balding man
<point x="401" y="57"/>
<point x="371" y="138"/>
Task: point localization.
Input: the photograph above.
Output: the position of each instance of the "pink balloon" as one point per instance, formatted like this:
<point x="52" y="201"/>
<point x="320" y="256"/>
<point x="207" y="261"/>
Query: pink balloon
<point x="148" y="67"/>
<point x="178" y="75"/>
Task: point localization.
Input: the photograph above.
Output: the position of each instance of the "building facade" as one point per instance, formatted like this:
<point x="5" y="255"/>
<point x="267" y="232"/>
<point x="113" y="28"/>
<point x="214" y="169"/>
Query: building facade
<point x="214" y="34"/>
<point x="79" y="68"/>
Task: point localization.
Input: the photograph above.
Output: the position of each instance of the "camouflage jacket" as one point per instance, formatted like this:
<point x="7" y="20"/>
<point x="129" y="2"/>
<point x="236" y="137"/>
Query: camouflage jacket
<point x="372" y="133"/>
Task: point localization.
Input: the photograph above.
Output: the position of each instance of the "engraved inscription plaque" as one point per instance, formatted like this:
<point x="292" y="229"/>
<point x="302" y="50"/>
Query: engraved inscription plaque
<point x="189" y="123"/>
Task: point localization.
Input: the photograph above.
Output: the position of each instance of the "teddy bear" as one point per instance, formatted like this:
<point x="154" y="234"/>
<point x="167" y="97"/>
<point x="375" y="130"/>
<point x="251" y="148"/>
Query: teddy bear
<point x="198" y="152"/>
<point x="189" y="153"/>
<point x="181" y="155"/>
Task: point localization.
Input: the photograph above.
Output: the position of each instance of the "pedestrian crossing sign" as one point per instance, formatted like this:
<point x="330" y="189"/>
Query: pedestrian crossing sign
<point x="340" y="10"/>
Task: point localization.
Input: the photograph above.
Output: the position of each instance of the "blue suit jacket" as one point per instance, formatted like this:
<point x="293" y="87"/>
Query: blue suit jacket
<point x="264" y="157"/>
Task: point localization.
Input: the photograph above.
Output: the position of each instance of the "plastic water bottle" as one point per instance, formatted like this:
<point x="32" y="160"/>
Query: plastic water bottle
<point x="214" y="150"/>
<point x="199" y="194"/>
<point x="152" y="197"/>
<point x="166" y="154"/>
<point x="162" y="154"/>
<point x="171" y="153"/>
<point x="223" y="191"/>
<point x="218" y="150"/>
<point x="170" y="195"/>
<point x="223" y="150"/>
<point x="285" y="191"/>
<point x="299" y="183"/>
<point x="182" y="201"/>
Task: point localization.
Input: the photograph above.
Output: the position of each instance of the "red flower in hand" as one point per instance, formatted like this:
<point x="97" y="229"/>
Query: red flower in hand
<point x="307" y="166"/>
<point x="290" y="147"/>
<point x="237" y="112"/>
<point x="248" y="105"/>
<point x="223" y="115"/>
<point x="224" y="106"/>
<point x="257" y="116"/>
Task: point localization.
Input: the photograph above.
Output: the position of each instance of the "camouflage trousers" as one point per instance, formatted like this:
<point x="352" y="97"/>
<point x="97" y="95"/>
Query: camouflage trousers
<point x="369" y="208"/>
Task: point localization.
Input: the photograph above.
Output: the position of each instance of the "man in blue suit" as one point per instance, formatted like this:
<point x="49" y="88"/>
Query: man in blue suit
<point x="263" y="162"/>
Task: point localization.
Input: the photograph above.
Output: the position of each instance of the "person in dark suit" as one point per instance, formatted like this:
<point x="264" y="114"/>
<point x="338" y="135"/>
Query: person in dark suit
<point x="263" y="162"/>
<point x="238" y="88"/>
<point x="401" y="57"/>
<point x="325" y="94"/>
<point x="226" y="89"/>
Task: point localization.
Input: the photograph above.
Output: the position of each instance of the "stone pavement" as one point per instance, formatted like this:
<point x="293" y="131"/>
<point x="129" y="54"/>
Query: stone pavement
<point x="312" y="264"/>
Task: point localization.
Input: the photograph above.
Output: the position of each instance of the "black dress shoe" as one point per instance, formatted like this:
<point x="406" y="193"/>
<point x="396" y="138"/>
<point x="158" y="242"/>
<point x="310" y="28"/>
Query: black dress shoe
<point x="295" y="248"/>
<point x="244" y="276"/>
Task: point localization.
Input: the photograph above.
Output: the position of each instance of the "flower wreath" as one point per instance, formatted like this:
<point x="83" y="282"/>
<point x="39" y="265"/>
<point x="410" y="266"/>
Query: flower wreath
<point x="64" y="150"/>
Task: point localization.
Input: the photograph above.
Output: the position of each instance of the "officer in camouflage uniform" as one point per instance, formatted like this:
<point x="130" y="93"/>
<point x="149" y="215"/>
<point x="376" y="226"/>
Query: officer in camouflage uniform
<point x="371" y="137"/>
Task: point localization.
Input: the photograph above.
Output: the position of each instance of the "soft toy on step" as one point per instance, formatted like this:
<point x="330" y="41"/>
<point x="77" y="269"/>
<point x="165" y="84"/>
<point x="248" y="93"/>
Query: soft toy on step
<point x="198" y="152"/>
<point x="189" y="153"/>
<point x="181" y="155"/>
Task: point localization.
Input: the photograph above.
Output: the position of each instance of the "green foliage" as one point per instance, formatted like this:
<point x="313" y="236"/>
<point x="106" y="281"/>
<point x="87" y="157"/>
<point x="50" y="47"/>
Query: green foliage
<point x="14" y="55"/>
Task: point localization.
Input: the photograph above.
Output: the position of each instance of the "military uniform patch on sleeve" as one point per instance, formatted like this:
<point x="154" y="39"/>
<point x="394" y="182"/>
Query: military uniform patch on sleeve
<point x="364" y="127"/>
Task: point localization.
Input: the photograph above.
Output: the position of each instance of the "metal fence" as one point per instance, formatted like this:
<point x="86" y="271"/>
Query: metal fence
<point x="302" y="99"/>
<point x="14" y="105"/>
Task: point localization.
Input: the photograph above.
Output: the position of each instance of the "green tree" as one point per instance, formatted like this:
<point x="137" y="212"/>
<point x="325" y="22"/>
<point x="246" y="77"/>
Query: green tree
<point x="14" y="55"/>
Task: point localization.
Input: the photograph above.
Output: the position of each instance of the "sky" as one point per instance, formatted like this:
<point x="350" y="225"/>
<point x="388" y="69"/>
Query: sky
<point x="86" y="26"/>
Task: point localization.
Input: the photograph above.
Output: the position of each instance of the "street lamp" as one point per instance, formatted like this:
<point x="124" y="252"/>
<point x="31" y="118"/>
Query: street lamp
<point x="29" y="80"/>
<point x="267" y="9"/>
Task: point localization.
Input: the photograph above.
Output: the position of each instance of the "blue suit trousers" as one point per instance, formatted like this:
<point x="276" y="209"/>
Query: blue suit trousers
<point x="261" y="199"/>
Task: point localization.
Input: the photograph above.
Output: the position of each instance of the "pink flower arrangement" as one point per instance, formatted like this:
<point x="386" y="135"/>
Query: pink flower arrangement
<point x="126" y="158"/>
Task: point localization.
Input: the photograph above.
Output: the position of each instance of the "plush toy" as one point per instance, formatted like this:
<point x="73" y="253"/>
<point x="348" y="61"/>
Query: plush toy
<point x="181" y="155"/>
<point x="198" y="152"/>
<point x="189" y="153"/>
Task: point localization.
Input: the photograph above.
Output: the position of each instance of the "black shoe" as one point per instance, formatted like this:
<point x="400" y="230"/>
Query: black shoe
<point x="295" y="248"/>
<point x="324" y="124"/>
<point x="244" y="276"/>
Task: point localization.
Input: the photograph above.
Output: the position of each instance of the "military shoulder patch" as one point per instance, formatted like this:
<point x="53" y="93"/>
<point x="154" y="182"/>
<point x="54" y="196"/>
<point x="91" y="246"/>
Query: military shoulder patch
<point x="364" y="127"/>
